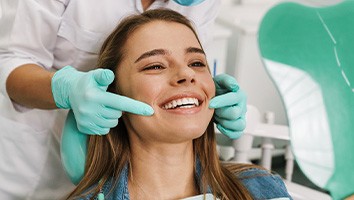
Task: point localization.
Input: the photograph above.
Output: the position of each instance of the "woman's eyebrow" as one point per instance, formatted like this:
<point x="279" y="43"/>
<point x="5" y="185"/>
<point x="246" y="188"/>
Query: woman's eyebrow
<point x="156" y="52"/>
<point x="195" y="50"/>
<point x="153" y="52"/>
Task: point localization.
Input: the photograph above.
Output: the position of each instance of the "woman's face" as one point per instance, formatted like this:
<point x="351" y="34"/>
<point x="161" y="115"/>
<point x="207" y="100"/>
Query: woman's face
<point x="165" y="67"/>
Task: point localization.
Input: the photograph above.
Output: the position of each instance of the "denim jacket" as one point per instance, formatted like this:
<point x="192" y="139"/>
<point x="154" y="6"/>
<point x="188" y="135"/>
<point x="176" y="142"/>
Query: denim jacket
<point x="260" y="183"/>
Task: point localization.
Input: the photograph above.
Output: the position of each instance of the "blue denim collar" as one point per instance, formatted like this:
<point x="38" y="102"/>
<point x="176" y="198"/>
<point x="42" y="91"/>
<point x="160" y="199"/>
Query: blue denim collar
<point x="121" y="192"/>
<point x="253" y="179"/>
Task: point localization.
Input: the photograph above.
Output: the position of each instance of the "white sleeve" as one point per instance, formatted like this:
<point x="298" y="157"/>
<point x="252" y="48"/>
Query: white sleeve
<point x="28" y="34"/>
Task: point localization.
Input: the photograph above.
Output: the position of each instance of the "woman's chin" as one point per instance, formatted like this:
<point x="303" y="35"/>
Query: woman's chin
<point x="187" y="132"/>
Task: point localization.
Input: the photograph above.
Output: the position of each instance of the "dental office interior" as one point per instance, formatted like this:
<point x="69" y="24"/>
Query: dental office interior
<point x="294" y="61"/>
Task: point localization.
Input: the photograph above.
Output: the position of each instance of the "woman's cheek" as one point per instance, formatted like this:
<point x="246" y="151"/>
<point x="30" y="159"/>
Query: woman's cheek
<point x="147" y="91"/>
<point x="210" y="86"/>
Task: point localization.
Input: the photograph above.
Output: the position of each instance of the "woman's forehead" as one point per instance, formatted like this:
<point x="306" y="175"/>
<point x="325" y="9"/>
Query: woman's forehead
<point x="162" y="34"/>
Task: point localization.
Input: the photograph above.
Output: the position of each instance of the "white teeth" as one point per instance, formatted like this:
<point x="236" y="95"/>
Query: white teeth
<point x="196" y="102"/>
<point x="183" y="103"/>
<point x="179" y="102"/>
<point x="174" y="103"/>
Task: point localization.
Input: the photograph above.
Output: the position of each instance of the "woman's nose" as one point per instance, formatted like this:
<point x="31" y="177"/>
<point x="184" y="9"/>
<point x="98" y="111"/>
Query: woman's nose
<point x="184" y="75"/>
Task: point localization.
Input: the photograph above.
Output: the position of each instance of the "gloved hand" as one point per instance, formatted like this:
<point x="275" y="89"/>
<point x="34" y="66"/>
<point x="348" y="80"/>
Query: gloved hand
<point x="95" y="110"/>
<point x="230" y="106"/>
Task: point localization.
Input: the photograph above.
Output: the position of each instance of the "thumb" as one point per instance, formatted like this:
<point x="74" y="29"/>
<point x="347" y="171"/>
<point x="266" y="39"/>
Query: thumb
<point x="103" y="77"/>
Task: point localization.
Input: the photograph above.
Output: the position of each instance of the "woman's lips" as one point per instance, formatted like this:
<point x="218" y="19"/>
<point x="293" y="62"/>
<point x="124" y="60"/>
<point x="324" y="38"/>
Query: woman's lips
<point x="186" y="102"/>
<point x="183" y="103"/>
<point x="185" y="110"/>
<point x="181" y="99"/>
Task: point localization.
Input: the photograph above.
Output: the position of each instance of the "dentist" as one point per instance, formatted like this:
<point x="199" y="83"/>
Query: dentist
<point x="47" y="51"/>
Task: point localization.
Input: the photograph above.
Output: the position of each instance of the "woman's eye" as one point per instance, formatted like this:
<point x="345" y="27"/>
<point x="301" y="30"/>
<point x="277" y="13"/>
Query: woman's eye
<point x="197" y="64"/>
<point x="153" y="67"/>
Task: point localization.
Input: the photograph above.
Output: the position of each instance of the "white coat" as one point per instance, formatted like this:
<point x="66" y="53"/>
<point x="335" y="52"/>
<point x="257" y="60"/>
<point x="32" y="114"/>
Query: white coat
<point x="53" y="34"/>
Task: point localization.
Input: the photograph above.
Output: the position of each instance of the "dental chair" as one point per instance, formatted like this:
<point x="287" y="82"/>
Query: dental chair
<point x="309" y="54"/>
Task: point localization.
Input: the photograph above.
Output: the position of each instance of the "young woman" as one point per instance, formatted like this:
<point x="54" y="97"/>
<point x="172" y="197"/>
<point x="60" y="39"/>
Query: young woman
<point x="158" y="59"/>
<point x="37" y="39"/>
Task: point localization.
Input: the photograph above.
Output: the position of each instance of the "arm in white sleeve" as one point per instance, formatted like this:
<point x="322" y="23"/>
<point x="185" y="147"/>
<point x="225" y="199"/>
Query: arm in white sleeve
<point x="27" y="38"/>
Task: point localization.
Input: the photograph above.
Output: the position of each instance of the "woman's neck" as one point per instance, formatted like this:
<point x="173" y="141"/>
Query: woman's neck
<point x="162" y="171"/>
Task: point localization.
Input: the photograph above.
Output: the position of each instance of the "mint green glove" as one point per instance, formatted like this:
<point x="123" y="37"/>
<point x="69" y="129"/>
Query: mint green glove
<point x="230" y="106"/>
<point x="73" y="149"/>
<point x="95" y="109"/>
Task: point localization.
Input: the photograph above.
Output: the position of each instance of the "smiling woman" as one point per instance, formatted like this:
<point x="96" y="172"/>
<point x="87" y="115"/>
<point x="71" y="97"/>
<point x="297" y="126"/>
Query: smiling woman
<point x="172" y="66"/>
<point x="158" y="59"/>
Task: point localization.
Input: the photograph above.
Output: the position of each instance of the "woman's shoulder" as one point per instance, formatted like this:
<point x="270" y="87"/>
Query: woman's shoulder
<point x="263" y="184"/>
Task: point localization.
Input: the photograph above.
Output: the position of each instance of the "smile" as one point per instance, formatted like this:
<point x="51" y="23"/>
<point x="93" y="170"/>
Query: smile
<point x="182" y="103"/>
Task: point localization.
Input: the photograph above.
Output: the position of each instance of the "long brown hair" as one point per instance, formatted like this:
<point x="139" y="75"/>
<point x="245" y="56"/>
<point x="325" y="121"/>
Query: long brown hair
<point x="107" y="155"/>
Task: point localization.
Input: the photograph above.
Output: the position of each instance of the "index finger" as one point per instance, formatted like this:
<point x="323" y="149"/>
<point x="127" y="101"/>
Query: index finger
<point x="126" y="104"/>
<point x="224" y="81"/>
<point x="224" y="100"/>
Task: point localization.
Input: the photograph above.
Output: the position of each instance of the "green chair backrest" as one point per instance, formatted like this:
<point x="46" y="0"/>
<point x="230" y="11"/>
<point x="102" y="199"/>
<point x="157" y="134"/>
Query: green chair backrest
<point x="309" y="54"/>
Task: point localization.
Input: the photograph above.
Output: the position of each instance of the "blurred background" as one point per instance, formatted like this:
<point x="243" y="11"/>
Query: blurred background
<point x="235" y="51"/>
